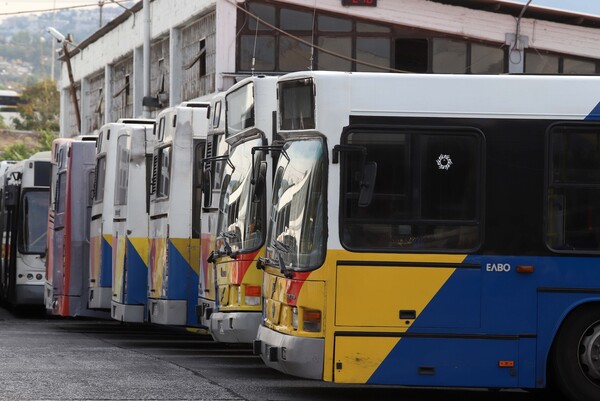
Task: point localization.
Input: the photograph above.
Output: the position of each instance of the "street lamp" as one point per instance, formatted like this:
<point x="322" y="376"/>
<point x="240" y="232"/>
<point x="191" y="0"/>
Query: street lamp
<point x="65" y="41"/>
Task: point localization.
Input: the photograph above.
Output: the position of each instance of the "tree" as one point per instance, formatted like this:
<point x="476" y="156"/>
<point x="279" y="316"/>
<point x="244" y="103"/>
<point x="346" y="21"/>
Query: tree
<point x="40" y="108"/>
<point x="21" y="151"/>
<point x="18" y="151"/>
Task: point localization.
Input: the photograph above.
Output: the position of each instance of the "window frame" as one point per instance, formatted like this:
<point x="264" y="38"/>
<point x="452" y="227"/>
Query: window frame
<point x="160" y="185"/>
<point x="549" y="183"/>
<point x="480" y="182"/>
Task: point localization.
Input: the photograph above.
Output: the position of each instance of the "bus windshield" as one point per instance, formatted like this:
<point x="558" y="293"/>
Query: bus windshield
<point x="241" y="217"/>
<point x="35" y="217"/>
<point x="296" y="231"/>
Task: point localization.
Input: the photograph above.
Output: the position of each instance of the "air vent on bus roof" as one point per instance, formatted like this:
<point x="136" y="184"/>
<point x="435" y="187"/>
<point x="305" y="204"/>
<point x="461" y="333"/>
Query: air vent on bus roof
<point x="154" y="174"/>
<point x="136" y="121"/>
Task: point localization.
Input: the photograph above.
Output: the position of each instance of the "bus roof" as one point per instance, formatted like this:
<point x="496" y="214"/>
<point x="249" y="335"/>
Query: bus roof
<point x="458" y="96"/>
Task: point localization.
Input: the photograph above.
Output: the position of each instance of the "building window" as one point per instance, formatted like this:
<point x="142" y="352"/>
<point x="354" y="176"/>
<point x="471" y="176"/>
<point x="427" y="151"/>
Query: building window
<point x="412" y="55"/>
<point x="261" y="49"/>
<point x="294" y="20"/>
<point x="264" y="12"/>
<point x="486" y="59"/>
<point x="538" y="63"/>
<point x="578" y="66"/>
<point x="293" y="54"/>
<point x="449" y="56"/>
<point x="274" y="50"/>
<point x="328" y="61"/>
<point x="374" y="51"/>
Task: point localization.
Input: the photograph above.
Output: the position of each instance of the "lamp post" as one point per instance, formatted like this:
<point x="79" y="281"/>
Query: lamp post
<point x="60" y="38"/>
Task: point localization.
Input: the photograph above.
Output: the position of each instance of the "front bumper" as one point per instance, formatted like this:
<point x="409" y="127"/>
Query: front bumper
<point x="168" y="312"/>
<point x="127" y="313"/>
<point x="100" y="297"/>
<point x="297" y="356"/>
<point x="234" y="327"/>
<point x="29" y="294"/>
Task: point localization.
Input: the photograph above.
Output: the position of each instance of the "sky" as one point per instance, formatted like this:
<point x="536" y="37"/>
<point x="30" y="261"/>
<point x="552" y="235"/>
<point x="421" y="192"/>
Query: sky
<point x="8" y="7"/>
<point x="12" y="6"/>
<point x="580" y="6"/>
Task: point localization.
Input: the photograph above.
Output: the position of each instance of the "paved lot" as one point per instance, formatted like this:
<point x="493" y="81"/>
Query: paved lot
<point x="68" y="359"/>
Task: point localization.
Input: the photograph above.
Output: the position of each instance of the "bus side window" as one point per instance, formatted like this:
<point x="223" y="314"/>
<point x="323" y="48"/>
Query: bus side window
<point x="427" y="191"/>
<point x="573" y="193"/>
<point x="164" y="168"/>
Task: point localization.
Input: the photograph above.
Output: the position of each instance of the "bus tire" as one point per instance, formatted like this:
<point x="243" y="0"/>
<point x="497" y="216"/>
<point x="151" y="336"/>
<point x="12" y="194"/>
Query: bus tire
<point x="576" y="355"/>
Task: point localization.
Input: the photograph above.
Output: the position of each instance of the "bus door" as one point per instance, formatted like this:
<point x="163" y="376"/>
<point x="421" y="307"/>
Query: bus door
<point x="404" y="276"/>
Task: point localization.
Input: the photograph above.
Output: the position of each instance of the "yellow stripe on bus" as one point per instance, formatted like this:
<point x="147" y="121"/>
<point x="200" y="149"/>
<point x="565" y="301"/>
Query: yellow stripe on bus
<point x="355" y="366"/>
<point x="141" y="247"/>
<point x="189" y="250"/>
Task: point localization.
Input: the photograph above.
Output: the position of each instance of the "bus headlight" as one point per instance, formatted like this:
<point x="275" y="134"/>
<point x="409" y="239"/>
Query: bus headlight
<point x="295" y="318"/>
<point x="252" y="294"/>
<point x="311" y="320"/>
<point x="29" y="276"/>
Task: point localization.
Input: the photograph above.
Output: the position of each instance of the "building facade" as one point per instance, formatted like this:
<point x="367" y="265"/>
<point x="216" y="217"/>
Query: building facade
<point x="197" y="48"/>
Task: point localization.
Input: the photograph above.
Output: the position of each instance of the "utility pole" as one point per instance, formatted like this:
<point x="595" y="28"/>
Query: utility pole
<point x="100" y="4"/>
<point x="72" y="88"/>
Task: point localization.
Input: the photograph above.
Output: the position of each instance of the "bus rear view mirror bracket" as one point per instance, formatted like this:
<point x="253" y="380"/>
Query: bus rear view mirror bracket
<point x="207" y="187"/>
<point x="367" y="184"/>
<point x="259" y="182"/>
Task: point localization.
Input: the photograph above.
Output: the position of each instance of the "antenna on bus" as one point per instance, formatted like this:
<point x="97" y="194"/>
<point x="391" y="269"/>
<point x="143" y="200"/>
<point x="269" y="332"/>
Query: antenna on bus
<point x="312" y="39"/>
<point x="254" y="50"/>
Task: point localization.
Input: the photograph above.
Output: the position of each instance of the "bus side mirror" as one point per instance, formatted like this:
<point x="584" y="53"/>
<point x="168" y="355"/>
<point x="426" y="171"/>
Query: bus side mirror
<point x="367" y="184"/>
<point x="207" y="188"/>
<point x="11" y="195"/>
<point x="259" y="182"/>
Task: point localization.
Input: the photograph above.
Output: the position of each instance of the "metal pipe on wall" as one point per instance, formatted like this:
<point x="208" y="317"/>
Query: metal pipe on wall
<point x="146" y="54"/>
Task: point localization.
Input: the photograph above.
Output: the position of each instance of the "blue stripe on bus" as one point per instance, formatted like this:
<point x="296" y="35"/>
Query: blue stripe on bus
<point x="137" y="277"/>
<point x="183" y="282"/>
<point x="106" y="264"/>
<point x="594" y="114"/>
<point x="520" y="315"/>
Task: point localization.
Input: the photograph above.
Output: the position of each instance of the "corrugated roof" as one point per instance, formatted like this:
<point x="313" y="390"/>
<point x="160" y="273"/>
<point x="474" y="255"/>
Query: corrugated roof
<point x="533" y="11"/>
<point x="497" y="6"/>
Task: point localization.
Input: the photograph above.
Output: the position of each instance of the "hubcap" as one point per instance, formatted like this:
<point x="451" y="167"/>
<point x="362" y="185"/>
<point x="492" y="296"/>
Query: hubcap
<point x="589" y="353"/>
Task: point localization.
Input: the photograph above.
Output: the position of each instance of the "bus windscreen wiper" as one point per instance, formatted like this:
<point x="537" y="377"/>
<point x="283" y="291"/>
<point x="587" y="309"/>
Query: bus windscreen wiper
<point x="282" y="248"/>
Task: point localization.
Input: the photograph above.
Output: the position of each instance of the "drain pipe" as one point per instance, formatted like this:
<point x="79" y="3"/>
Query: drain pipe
<point x="517" y="45"/>
<point x="146" y="54"/>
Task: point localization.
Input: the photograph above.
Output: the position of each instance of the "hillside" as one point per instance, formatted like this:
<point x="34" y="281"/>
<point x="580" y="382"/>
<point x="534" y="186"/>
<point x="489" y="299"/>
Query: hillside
<point x="26" y="48"/>
<point x="11" y="137"/>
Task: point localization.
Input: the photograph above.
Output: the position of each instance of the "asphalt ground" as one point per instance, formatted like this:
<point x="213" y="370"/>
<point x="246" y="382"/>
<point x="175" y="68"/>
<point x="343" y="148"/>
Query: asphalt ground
<point x="49" y="358"/>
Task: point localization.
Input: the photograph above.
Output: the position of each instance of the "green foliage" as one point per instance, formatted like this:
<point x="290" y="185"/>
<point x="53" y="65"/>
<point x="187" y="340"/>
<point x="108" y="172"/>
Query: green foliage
<point x="18" y="151"/>
<point x="2" y="123"/>
<point x="21" y="151"/>
<point x="40" y="108"/>
<point x="45" y="141"/>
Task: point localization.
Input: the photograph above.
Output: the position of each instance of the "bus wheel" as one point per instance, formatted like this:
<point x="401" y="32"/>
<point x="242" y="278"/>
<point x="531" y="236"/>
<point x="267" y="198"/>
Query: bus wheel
<point x="576" y="356"/>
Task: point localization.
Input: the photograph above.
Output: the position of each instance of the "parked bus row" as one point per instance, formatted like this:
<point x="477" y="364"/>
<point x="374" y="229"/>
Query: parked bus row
<point x="394" y="229"/>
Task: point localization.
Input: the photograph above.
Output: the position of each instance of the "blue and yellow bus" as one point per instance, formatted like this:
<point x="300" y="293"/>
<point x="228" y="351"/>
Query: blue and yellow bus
<point x="240" y="232"/>
<point x="436" y="230"/>
<point x="175" y="205"/>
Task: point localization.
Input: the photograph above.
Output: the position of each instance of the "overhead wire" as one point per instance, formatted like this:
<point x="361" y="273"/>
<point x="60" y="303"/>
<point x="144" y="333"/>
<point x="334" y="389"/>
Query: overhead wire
<point x="312" y="45"/>
<point x="13" y="13"/>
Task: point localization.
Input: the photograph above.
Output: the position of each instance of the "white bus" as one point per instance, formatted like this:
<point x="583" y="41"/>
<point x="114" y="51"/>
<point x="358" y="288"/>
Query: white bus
<point x="436" y="230"/>
<point x="135" y="145"/>
<point x="250" y="107"/>
<point x="23" y="220"/>
<point x="101" y="226"/>
<point x="212" y="169"/>
<point x="175" y="205"/>
<point x="67" y="258"/>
